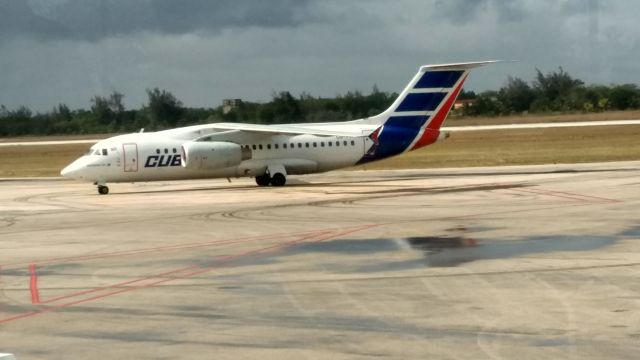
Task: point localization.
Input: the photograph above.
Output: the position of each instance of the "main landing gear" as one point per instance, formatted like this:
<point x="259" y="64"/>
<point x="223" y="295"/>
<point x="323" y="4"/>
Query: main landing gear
<point x="263" y="180"/>
<point x="275" y="175"/>
<point x="278" y="179"/>
<point x="103" y="189"/>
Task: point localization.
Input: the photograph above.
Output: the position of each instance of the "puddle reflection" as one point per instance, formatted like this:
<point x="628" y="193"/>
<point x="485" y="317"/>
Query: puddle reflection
<point x="447" y="251"/>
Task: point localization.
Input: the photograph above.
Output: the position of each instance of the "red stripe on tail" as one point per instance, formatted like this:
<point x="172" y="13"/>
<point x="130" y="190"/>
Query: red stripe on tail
<point x="431" y="133"/>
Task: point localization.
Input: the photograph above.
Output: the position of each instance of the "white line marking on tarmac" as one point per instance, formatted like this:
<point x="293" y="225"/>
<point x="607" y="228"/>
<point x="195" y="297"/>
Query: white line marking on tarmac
<point x="449" y="128"/>
<point x="59" y="142"/>
<point x="542" y="125"/>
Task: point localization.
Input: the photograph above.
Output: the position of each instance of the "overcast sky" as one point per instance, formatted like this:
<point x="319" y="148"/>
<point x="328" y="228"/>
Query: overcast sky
<point x="66" y="51"/>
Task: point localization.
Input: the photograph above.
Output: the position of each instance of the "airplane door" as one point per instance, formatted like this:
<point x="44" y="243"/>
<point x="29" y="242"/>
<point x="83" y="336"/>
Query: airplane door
<point x="130" y="157"/>
<point x="366" y="141"/>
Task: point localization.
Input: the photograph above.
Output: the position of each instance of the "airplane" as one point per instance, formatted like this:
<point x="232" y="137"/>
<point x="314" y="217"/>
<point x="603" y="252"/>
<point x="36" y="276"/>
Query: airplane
<point x="270" y="153"/>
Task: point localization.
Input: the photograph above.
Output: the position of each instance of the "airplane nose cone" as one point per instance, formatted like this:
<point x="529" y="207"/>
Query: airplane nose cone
<point x="72" y="171"/>
<point x="67" y="171"/>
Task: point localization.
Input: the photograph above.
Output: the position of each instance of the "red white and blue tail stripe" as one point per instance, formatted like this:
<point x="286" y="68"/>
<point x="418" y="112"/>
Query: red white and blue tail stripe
<point x="415" y="118"/>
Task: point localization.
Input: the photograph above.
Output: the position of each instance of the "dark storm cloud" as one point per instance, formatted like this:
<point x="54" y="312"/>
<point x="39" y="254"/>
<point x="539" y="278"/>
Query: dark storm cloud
<point x="93" y="20"/>
<point x="16" y="17"/>
<point x="573" y="7"/>
<point x="462" y="11"/>
<point x="54" y="51"/>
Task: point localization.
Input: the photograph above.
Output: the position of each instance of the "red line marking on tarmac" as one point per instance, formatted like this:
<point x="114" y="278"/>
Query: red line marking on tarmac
<point x="548" y="193"/>
<point x="567" y="195"/>
<point x="33" y="284"/>
<point x="174" y="272"/>
<point x="588" y="196"/>
<point x="324" y="235"/>
<point x="505" y="212"/>
<point x="65" y="259"/>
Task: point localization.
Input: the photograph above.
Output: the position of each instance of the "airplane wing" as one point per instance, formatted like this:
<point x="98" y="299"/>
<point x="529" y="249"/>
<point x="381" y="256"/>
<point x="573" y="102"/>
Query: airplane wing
<point x="203" y="131"/>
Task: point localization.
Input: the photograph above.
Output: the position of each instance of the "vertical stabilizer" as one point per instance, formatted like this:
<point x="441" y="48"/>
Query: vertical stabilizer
<point x="415" y="117"/>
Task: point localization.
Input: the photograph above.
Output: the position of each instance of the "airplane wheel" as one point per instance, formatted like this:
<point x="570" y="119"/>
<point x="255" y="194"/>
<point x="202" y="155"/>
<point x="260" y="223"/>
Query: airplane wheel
<point x="278" y="179"/>
<point x="103" y="190"/>
<point x="263" y="180"/>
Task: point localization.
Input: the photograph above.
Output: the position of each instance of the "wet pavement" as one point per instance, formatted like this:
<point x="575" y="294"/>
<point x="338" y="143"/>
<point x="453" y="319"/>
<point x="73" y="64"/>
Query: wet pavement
<point x="523" y="262"/>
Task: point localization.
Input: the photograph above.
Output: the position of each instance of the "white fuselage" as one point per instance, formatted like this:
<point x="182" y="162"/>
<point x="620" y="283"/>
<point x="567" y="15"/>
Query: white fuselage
<point x="157" y="155"/>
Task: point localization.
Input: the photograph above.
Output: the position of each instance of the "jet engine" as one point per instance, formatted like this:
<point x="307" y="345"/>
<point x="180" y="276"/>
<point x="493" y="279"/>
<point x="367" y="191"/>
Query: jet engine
<point x="208" y="155"/>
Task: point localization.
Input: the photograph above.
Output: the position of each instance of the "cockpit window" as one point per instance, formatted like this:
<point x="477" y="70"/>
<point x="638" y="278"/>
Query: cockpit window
<point x="97" y="152"/>
<point x="104" y="152"/>
<point x="89" y="152"/>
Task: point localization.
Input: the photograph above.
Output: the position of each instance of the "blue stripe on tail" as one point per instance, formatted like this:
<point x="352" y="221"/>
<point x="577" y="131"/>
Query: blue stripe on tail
<point x="438" y="79"/>
<point x="421" y="102"/>
<point x="396" y="136"/>
<point x="412" y="122"/>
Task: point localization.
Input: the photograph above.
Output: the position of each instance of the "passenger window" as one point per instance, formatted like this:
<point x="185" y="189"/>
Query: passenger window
<point x="292" y="145"/>
<point x="321" y="143"/>
<point x="174" y="150"/>
<point x="353" y="143"/>
<point x="276" y="146"/>
<point x="260" y="146"/>
<point x="284" y="146"/>
<point x="104" y="152"/>
<point x="330" y="143"/>
<point x="166" y="151"/>
<point x="300" y="145"/>
<point x="315" y="144"/>
<point x="344" y="143"/>
<point x="306" y="144"/>
<point x="157" y="151"/>
<point x="269" y="146"/>
<point x="253" y="146"/>
<point x="337" y="143"/>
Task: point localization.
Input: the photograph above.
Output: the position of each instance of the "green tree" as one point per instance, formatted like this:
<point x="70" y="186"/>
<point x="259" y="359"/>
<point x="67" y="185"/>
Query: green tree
<point x="102" y="114"/>
<point x="516" y="95"/>
<point x="18" y="122"/>
<point x="487" y="103"/>
<point x="554" y="90"/>
<point x="115" y="102"/>
<point x="625" y="97"/>
<point x="164" y="109"/>
<point x="286" y="108"/>
<point x="467" y="95"/>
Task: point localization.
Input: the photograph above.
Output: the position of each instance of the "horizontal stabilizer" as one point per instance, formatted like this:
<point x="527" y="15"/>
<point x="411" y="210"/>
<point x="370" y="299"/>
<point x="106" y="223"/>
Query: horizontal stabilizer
<point x="459" y="66"/>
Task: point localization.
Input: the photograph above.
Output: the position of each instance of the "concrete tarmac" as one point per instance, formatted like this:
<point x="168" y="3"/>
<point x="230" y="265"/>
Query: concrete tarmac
<point x="483" y="263"/>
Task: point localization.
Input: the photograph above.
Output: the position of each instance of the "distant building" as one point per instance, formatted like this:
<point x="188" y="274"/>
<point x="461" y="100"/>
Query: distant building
<point x="462" y="103"/>
<point x="230" y="104"/>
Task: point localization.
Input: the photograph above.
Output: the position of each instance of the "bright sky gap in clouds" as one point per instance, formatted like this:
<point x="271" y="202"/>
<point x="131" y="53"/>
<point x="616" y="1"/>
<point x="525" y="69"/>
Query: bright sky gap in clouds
<point x="66" y="51"/>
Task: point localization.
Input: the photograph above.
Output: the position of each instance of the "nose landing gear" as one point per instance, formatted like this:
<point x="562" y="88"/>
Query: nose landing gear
<point x="103" y="189"/>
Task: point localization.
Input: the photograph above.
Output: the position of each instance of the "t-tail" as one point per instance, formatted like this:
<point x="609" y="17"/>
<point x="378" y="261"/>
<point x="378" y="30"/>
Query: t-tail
<point x="415" y="118"/>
